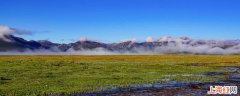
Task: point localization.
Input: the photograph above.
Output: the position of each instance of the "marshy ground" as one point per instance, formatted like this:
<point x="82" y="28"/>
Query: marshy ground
<point x="116" y="75"/>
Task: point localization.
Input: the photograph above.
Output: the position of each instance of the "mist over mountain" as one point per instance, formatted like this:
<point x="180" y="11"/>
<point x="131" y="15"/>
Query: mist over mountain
<point x="11" y="44"/>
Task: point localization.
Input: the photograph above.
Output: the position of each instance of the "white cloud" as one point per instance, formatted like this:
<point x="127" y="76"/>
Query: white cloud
<point x="6" y="30"/>
<point x="149" y="39"/>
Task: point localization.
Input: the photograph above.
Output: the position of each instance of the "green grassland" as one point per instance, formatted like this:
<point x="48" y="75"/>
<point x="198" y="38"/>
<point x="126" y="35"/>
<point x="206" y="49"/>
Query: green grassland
<point x="41" y="75"/>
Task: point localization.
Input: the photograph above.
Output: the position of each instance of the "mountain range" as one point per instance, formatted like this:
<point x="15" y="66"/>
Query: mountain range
<point x="163" y="45"/>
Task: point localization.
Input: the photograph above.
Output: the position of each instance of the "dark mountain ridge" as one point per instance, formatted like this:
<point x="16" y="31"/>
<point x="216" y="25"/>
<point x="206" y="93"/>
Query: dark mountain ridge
<point x="14" y="43"/>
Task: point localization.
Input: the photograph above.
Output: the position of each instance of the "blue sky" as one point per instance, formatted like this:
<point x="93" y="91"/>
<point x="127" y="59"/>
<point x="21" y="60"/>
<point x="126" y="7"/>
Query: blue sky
<point x="116" y="20"/>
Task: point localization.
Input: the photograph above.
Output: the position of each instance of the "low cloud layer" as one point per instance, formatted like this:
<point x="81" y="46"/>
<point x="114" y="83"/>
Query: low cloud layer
<point x="164" y="45"/>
